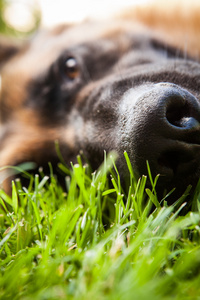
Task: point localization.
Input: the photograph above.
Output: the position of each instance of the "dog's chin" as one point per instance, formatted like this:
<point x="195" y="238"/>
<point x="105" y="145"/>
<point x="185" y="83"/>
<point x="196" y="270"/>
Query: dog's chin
<point x="171" y="189"/>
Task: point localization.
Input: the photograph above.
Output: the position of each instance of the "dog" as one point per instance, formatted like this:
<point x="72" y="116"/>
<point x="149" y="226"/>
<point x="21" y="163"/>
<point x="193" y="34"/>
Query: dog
<point x="129" y="83"/>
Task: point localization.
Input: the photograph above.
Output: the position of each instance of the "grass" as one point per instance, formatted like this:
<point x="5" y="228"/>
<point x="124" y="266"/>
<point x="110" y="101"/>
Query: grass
<point x="55" y="245"/>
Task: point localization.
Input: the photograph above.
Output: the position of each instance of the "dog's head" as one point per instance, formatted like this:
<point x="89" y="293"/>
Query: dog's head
<point x="102" y="86"/>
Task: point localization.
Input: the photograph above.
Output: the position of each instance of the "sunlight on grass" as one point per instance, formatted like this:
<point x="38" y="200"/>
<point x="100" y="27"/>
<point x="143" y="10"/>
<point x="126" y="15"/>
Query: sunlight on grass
<point x="96" y="241"/>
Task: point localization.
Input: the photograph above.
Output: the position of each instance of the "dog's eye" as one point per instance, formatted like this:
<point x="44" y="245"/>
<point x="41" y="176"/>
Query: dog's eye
<point x="72" y="69"/>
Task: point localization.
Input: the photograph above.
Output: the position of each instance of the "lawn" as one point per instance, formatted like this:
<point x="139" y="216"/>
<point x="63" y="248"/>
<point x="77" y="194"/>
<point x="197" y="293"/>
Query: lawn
<point x="96" y="241"/>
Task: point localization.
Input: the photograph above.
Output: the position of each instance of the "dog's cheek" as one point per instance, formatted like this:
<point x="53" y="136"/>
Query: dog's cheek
<point x="95" y="121"/>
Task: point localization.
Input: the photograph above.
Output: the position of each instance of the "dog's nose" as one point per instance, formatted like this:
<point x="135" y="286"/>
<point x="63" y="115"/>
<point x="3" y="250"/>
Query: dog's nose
<point x="178" y="127"/>
<point x="166" y="132"/>
<point x="181" y="112"/>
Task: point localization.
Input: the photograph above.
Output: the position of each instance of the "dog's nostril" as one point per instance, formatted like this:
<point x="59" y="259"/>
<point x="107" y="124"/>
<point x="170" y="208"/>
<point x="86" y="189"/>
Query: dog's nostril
<point x="176" y="111"/>
<point x="181" y="113"/>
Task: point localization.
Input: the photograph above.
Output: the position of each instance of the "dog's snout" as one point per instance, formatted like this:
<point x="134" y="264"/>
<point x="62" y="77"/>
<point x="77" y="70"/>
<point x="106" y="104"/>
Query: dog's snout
<point x="166" y="133"/>
<point x="181" y="132"/>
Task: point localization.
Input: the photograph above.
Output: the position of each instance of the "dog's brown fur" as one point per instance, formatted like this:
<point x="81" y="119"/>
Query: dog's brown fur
<point x="175" y="22"/>
<point x="27" y="133"/>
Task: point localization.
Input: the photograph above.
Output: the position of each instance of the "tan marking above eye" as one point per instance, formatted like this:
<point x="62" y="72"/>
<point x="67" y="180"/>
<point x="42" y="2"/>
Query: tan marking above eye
<point x="72" y="69"/>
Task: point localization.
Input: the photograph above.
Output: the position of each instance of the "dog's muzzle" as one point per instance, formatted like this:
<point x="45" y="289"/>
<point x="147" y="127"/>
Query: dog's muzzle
<point x="161" y="125"/>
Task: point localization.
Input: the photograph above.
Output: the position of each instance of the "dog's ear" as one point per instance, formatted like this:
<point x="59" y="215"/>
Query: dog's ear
<point x="8" y="48"/>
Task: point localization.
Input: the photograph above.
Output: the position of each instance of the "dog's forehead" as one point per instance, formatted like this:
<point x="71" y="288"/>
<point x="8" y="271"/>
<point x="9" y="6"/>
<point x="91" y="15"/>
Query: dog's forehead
<point x="46" y="46"/>
<point x="38" y="55"/>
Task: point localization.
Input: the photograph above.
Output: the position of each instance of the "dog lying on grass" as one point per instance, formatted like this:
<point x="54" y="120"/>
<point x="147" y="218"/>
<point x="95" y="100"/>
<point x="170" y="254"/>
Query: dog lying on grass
<point x="128" y="83"/>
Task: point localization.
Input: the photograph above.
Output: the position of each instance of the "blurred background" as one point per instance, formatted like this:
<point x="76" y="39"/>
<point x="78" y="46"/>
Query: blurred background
<point x="22" y="17"/>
